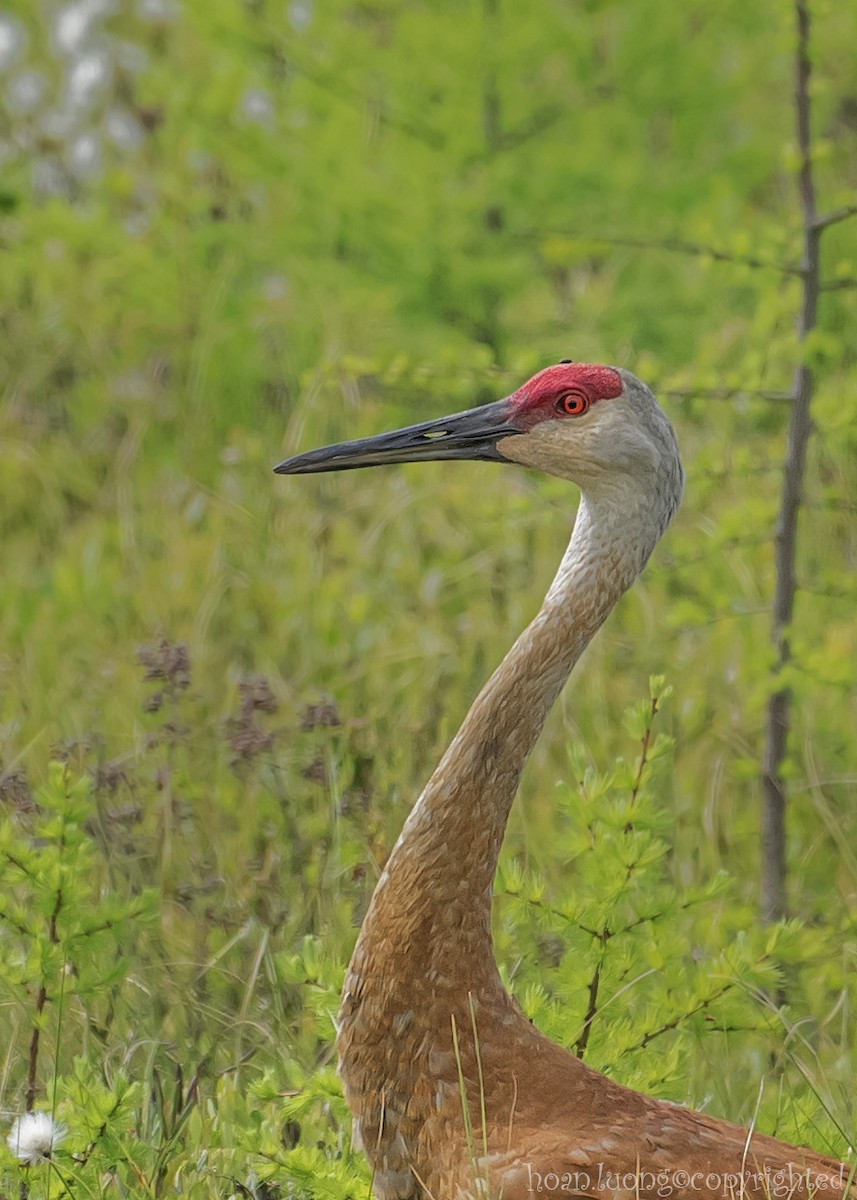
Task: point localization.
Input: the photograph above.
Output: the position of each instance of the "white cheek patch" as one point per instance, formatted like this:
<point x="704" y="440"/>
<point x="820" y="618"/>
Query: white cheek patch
<point x="605" y="441"/>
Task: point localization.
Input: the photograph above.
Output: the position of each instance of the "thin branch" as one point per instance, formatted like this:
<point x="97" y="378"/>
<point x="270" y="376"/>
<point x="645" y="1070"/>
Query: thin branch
<point x="717" y="619"/>
<point x="832" y="505"/>
<point x="675" y="245"/>
<point x="644" y="758"/>
<point x="669" y="1026"/>
<point x="837" y="285"/>
<point x="535" y="124"/>
<point x="834" y="781"/>
<point x="828" y="593"/>
<point x="785" y="543"/>
<point x="16" y="862"/>
<point x="728" y="394"/>
<point x="551" y="911"/>
<point x="12" y="923"/>
<point x="356" y="98"/>
<point x="41" y="998"/>
<point x="103" y="926"/>
<point x="834" y="217"/>
<point x="591" y="1010"/>
<point x="764" y="468"/>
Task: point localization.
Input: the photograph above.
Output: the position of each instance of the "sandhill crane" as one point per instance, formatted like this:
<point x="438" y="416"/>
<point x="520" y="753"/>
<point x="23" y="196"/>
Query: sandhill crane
<point x="426" y="1029"/>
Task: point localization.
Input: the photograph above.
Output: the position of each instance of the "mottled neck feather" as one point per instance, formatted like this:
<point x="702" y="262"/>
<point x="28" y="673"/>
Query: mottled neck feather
<point x="441" y="870"/>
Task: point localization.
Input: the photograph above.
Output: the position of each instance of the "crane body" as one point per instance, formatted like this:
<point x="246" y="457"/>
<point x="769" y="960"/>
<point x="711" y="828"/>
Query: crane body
<point x="455" y="1095"/>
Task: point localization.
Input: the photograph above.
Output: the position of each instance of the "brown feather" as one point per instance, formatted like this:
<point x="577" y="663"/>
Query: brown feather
<point x="424" y="1013"/>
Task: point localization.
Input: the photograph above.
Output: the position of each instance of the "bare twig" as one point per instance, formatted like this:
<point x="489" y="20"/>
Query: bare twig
<point x="785" y="546"/>
<point x="644" y="757"/>
<point x="675" y="245"/>
<point x="834" y="217"/>
<point x="41" y="998"/>
<point x="536" y="124"/>
<point x="838" y="285"/>
<point x="341" y="89"/>
<point x="591" y="1009"/>
<point x="726" y="393"/>
<point x="669" y="1026"/>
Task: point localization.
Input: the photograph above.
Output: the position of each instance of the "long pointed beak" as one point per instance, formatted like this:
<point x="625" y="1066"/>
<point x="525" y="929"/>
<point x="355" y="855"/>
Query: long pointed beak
<point x="471" y="434"/>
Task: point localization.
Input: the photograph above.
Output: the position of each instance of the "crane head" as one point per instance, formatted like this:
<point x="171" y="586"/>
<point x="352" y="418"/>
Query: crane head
<point x="575" y="420"/>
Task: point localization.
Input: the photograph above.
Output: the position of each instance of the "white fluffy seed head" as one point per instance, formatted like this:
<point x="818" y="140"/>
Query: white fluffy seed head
<point x="34" y="1136"/>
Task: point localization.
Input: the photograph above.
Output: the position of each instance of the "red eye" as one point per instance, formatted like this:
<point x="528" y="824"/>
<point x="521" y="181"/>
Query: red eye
<point x="572" y="404"/>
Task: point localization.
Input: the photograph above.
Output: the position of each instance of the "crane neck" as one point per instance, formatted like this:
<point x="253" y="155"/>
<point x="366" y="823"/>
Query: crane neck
<point x="436" y="888"/>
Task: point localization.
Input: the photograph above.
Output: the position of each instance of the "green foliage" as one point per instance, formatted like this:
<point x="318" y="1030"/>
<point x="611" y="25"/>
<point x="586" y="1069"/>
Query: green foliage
<point x="65" y="928"/>
<point x="74" y="952"/>
<point x="655" y="981"/>
<point x="326" y="220"/>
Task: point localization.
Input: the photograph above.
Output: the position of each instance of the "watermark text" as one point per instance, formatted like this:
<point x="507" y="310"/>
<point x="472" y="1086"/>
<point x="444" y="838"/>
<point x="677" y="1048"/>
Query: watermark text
<point x="787" y="1182"/>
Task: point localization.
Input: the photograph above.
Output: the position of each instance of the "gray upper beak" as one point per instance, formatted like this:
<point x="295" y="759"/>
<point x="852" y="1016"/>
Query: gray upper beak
<point x="471" y="434"/>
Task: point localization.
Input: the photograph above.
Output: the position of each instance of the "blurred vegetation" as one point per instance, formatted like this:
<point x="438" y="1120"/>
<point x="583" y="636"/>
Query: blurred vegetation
<point x="235" y="229"/>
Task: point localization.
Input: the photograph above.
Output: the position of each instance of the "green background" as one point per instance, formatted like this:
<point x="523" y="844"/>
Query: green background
<point x="234" y="230"/>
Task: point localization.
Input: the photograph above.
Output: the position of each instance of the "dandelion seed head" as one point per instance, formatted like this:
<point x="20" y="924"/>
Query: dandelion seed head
<point x="12" y="40"/>
<point x="89" y="75"/>
<point x="299" y="14"/>
<point x="256" y="106"/>
<point x="25" y="90"/>
<point x="34" y="1137"/>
